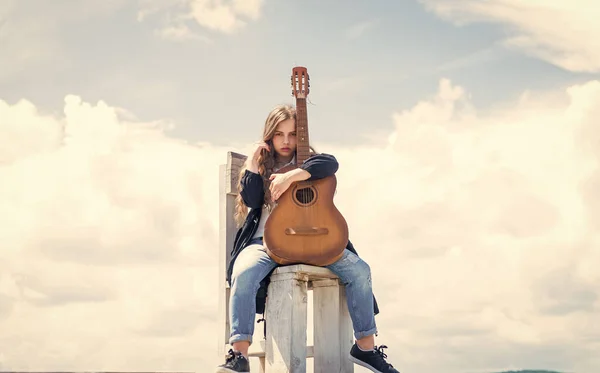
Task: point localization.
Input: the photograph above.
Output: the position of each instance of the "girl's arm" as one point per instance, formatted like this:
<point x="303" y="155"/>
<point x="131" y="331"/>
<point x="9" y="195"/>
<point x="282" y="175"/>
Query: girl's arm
<point x="316" y="167"/>
<point x="320" y="166"/>
<point x="252" y="187"/>
<point x="252" y="190"/>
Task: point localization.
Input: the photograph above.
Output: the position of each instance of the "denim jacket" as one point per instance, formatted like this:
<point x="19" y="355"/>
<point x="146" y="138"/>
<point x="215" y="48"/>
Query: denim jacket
<point x="252" y="192"/>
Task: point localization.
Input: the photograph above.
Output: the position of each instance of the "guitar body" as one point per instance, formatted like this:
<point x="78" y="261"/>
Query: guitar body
<point x="305" y="226"/>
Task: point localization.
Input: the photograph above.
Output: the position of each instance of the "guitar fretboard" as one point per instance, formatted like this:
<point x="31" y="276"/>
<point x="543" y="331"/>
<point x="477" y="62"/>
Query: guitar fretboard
<point x="303" y="147"/>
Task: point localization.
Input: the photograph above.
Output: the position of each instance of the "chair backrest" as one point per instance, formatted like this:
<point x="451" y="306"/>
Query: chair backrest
<point x="228" y="180"/>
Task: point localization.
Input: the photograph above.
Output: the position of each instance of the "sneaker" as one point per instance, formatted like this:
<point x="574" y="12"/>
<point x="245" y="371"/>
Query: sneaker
<point x="373" y="359"/>
<point x="234" y="363"/>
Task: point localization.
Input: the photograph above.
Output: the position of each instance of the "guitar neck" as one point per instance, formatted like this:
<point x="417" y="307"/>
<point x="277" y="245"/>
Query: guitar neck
<point x="303" y="147"/>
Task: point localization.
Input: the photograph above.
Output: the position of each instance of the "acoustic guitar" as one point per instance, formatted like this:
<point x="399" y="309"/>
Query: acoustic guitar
<point x="305" y="226"/>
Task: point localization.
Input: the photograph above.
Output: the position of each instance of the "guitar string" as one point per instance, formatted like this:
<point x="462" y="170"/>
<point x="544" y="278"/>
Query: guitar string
<point x="306" y="191"/>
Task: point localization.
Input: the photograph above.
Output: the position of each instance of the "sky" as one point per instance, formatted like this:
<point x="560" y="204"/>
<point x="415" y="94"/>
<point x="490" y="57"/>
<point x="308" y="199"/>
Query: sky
<point x="469" y="151"/>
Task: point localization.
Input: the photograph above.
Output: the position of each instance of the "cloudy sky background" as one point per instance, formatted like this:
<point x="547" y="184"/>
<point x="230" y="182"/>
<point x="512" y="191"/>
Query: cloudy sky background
<point x="477" y="122"/>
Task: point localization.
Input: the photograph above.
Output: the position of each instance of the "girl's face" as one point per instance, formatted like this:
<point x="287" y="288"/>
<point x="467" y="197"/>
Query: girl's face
<point x="284" y="139"/>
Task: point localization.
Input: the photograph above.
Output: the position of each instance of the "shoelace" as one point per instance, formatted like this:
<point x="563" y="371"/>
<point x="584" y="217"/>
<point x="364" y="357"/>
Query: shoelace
<point x="379" y="350"/>
<point x="231" y="356"/>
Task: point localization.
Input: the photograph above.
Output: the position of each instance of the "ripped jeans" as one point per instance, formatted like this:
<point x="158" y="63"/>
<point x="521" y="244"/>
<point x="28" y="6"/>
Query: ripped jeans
<point x="253" y="264"/>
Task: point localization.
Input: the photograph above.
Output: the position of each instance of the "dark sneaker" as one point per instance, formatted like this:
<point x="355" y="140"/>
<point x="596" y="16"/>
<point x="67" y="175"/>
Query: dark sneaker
<point x="373" y="360"/>
<point x="234" y="363"/>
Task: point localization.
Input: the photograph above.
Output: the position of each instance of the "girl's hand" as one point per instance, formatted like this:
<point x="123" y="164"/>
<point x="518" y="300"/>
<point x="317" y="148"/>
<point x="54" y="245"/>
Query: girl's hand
<point x="259" y="147"/>
<point x="279" y="184"/>
<point x="252" y="161"/>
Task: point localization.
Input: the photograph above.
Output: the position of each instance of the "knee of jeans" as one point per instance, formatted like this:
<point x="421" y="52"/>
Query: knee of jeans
<point x="244" y="280"/>
<point x="361" y="273"/>
<point x="363" y="268"/>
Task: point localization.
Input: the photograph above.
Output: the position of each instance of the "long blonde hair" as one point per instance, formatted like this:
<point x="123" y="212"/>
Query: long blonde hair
<point x="266" y="160"/>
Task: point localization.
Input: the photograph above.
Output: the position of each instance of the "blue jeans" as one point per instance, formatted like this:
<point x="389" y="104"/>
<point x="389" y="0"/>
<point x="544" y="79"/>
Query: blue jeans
<point x="253" y="264"/>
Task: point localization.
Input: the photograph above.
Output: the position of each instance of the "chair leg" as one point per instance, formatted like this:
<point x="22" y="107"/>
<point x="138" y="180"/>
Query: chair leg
<point x="333" y="332"/>
<point x="286" y="316"/>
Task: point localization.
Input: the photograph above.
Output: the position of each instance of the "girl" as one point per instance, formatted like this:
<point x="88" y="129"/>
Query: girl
<point x="250" y="266"/>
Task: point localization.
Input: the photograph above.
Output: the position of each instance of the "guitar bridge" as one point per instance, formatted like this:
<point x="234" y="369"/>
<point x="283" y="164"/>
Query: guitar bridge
<point x="306" y="231"/>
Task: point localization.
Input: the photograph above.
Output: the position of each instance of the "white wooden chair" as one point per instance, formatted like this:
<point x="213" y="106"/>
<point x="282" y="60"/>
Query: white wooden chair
<point x="285" y="347"/>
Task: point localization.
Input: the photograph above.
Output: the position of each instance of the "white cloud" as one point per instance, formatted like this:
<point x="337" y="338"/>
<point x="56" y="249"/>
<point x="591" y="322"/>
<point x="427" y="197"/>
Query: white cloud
<point x="486" y="225"/>
<point x="181" y="32"/>
<point x="108" y="231"/>
<point x="564" y="33"/>
<point x="482" y="232"/>
<point x="214" y="15"/>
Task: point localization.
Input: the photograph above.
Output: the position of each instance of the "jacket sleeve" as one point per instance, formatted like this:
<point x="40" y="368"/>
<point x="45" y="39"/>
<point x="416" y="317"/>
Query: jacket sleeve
<point x="320" y="166"/>
<point x="252" y="190"/>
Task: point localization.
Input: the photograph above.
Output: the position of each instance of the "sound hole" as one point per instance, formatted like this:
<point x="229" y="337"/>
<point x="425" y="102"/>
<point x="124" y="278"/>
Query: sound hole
<point x="305" y="196"/>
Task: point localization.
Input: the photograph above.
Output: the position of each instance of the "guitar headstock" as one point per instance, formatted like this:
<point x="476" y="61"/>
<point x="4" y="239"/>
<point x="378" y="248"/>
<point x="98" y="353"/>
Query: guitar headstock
<point x="300" y="82"/>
